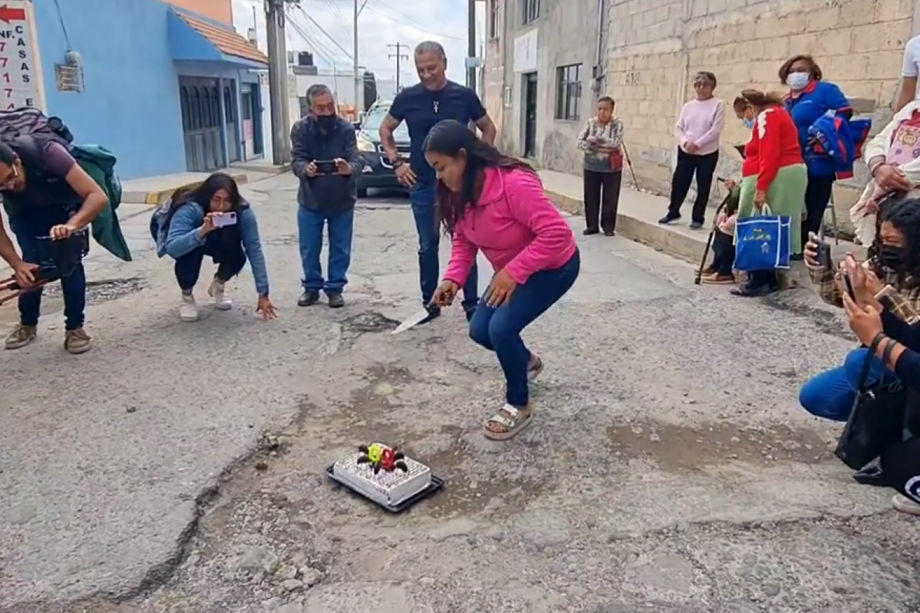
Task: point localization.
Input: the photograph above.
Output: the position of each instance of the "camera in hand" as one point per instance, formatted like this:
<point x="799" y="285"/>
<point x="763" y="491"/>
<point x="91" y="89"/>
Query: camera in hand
<point x="326" y="167"/>
<point x="222" y="220"/>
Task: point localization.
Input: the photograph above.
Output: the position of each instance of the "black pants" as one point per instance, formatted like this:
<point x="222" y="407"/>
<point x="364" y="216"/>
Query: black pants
<point x="595" y="184"/>
<point x="226" y="249"/>
<point x="723" y="253"/>
<point x="901" y="467"/>
<point x="704" y="167"/>
<point x="817" y="195"/>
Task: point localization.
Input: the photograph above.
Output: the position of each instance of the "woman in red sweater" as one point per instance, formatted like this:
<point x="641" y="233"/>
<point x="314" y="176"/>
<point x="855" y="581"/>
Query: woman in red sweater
<point x="774" y="174"/>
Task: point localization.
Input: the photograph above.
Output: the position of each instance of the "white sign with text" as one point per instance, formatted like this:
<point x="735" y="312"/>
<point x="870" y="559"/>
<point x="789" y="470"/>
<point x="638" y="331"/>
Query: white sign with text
<point x="20" y="66"/>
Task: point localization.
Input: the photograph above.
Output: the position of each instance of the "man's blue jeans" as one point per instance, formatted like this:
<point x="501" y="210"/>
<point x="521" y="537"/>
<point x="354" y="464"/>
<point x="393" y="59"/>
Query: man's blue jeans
<point x="422" y="198"/>
<point x="28" y="226"/>
<point x="832" y="393"/>
<point x="310" y="226"/>
<point x="500" y="329"/>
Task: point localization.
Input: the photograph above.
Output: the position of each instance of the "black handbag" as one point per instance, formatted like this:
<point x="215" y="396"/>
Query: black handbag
<point x="877" y="418"/>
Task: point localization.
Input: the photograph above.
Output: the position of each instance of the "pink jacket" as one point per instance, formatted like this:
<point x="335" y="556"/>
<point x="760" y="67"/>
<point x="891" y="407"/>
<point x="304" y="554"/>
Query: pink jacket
<point x="515" y="225"/>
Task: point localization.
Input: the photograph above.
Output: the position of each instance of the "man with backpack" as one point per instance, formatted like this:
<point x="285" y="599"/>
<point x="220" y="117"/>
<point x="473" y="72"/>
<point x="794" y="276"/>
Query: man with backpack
<point x="47" y="195"/>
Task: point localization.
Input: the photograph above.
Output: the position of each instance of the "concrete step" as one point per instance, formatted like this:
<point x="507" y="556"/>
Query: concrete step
<point x="637" y="219"/>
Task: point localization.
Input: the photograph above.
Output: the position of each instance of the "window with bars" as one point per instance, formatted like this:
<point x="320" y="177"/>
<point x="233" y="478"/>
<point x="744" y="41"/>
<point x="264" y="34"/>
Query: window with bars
<point x="531" y="10"/>
<point x="568" y="92"/>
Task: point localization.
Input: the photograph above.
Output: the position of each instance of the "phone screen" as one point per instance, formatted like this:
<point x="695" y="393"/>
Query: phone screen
<point x="849" y="286"/>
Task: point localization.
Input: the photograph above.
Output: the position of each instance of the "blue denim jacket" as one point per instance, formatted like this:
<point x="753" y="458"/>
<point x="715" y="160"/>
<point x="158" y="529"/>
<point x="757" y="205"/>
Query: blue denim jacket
<point x="183" y="238"/>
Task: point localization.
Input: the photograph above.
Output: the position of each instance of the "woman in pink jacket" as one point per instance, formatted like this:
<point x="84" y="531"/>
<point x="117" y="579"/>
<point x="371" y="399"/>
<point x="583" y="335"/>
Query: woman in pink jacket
<point x="495" y="203"/>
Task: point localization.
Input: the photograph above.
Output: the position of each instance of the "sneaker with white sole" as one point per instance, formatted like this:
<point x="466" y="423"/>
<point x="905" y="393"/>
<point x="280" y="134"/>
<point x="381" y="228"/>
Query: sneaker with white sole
<point x="188" y="309"/>
<point x="905" y="505"/>
<point x="20" y="337"/>
<point x="216" y="291"/>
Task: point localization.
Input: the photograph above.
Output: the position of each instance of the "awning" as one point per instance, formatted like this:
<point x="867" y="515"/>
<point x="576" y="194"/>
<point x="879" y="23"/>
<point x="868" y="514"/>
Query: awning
<point x="198" y="39"/>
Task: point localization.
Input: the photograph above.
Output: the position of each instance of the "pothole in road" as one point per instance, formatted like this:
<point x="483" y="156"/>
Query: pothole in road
<point x="103" y="291"/>
<point x="680" y="448"/>
<point x="369" y="321"/>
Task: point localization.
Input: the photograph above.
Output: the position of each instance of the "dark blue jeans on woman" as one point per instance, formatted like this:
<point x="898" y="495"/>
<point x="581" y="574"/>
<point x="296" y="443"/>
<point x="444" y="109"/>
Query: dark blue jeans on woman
<point x="499" y="330"/>
<point x="832" y="393"/>
<point x="28" y="225"/>
<point x="225" y="247"/>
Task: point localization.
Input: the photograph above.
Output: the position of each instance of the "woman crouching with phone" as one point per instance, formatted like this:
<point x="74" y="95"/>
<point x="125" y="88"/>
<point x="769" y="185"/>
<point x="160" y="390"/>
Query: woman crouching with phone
<point x="496" y="203"/>
<point x="214" y="220"/>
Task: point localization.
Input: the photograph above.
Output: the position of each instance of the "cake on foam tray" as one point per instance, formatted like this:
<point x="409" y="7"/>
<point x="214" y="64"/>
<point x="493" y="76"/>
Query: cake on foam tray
<point x="362" y="472"/>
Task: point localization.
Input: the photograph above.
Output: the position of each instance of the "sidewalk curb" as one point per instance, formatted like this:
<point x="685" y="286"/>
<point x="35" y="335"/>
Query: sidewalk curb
<point x="158" y="197"/>
<point x="652" y="234"/>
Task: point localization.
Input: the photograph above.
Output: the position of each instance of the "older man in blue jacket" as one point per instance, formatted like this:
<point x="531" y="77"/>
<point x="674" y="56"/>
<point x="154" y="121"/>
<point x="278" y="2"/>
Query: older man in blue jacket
<point x="325" y="159"/>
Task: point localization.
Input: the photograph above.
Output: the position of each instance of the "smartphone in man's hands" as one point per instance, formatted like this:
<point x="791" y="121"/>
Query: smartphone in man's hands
<point x="326" y="167"/>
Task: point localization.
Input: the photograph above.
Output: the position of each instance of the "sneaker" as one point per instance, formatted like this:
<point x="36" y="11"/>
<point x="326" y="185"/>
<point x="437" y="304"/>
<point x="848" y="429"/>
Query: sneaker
<point x="77" y="341"/>
<point x="905" y="505"/>
<point x="188" y="310"/>
<point x="216" y="291"/>
<point x="335" y="300"/>
<point x="609" y="233"/>
<point x="308" y="298"/>
<point x="20" y="337"/>
<point x="696" y="225"/>
<point x="668" y="219"/>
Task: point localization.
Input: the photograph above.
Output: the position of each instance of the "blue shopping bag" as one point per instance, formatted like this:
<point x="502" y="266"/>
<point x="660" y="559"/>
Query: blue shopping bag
<point x="763" y="242"/>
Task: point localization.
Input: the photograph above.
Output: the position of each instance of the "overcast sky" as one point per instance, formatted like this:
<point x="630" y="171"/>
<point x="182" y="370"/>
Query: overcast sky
<point x="381" y="23"/>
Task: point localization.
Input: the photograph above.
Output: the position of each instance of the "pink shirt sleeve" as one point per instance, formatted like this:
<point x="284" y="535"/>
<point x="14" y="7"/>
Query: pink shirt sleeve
<point x="530" y="206"/>
<point x="462" y="257"/>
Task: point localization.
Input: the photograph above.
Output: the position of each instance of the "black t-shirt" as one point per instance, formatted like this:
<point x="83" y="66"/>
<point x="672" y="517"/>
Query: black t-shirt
<point x="422" y="109"/>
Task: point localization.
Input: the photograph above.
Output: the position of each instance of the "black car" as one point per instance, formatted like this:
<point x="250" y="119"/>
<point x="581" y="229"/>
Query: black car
<point x="376" y="170"/>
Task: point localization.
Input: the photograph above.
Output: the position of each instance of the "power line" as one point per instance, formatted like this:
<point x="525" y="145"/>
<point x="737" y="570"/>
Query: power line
<point x="406" y="21"/>
<point x="321" y="29"/>
<point x="317" y="47"/>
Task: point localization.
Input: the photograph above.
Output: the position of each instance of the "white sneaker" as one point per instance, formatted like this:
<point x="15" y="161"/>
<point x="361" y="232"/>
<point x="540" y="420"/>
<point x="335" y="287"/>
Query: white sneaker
<point x="216" y="291"/>
<point x="188" y="310"/>
<point x="905" y="505"/>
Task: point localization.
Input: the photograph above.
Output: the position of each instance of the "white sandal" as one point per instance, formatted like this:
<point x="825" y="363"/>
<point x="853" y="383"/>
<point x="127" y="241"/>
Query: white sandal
<point x="512" y="419"/>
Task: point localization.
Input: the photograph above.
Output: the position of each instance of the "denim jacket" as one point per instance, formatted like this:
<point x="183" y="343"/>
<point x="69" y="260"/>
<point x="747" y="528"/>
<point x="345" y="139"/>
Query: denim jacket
<point x="183" y="238"/>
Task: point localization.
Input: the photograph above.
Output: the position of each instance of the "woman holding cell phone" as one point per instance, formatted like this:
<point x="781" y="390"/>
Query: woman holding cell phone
<point x="216" y="221"/>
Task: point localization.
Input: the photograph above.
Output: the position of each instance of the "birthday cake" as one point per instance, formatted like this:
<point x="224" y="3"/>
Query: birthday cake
<point x="385" y="484"/>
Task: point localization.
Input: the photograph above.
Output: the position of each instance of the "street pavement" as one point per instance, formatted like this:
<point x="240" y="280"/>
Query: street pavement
<point x="179" y="467"/>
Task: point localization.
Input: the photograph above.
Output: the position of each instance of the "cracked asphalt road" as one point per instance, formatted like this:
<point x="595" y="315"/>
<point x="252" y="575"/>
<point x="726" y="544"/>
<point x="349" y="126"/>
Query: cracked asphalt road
<point x="668" y="469"/>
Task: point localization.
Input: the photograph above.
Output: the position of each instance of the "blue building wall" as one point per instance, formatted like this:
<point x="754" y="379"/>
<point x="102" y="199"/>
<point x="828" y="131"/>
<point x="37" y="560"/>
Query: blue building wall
<point x="130" y="102"/>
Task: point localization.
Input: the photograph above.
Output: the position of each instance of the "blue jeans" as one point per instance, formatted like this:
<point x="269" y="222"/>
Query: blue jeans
<point x="28" y="226"/>
<point x="832" y="393"/>
<point x="422" y="198"/>
<point x="499" y="330"/>
<point x="310" y="226"/>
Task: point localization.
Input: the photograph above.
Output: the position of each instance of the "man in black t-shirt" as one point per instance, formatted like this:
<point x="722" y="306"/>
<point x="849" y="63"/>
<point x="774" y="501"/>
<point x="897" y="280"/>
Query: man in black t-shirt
<point x="422" y="106"/>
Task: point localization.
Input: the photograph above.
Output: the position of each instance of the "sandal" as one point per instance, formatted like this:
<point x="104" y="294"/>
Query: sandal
<point x="511" y="419"/>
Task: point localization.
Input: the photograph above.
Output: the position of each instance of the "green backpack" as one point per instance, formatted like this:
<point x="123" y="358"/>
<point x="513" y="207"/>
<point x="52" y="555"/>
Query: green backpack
<point x="99" y="163"/>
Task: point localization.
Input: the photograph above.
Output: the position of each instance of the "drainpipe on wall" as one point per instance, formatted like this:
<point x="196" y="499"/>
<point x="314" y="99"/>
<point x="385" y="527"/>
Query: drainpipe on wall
<point x="599" y="58"/>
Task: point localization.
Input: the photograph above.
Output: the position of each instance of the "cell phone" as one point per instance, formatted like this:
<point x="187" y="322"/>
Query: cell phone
<point x="849" y="286"/>
<point x="325" y="167"/>
<point x="824" y="249"/>
<point x="222" y="220"/>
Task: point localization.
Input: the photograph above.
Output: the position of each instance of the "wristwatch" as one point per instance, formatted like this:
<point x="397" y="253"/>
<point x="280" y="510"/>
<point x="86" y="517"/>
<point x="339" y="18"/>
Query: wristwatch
<point x="397" y="162"/>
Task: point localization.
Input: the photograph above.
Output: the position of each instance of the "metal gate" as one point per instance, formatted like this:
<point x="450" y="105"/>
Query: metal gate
<point x="200" y="100"/>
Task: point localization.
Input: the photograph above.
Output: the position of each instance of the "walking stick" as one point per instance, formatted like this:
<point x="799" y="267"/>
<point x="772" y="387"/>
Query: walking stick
<point x="712" y="233"/>
<point x="632" y="173"/>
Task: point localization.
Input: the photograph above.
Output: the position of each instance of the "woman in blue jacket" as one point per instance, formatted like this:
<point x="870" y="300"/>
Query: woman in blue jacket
<point x="808" y="99"/>
<point x="214" y="220"/>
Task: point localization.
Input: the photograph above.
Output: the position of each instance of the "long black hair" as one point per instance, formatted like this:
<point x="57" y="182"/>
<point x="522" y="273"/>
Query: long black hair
<point x="452" y="138"/>
<point x="203" y="193"/>
<point x="901" y="210"/>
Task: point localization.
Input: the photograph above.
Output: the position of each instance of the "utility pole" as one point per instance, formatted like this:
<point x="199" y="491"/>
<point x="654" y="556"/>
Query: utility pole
<point x="277" y="81"/>
<point x="399" y="56"/>
<point x="471" y="45"/>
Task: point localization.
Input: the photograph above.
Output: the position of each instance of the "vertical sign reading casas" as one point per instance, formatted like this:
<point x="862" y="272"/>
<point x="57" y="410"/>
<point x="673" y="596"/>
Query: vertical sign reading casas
<point x="20" y="67"/>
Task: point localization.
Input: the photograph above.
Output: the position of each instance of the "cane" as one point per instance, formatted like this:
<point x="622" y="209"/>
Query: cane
<point x="712" y="233"/>
<point x="632" y="173"/>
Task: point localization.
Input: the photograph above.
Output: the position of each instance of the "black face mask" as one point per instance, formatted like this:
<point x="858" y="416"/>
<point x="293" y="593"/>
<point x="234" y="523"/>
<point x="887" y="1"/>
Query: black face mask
<point x="325" y="122"/>
<point x="891" y="256"/>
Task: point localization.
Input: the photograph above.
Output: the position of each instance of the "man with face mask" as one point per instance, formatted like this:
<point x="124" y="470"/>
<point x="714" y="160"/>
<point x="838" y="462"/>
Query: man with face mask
<point x="325" y="159"/>
<point x="421" y="106"/>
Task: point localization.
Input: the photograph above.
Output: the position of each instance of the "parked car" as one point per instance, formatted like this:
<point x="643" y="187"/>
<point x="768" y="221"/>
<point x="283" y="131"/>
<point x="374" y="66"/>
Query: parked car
<point x="376" y="171"/>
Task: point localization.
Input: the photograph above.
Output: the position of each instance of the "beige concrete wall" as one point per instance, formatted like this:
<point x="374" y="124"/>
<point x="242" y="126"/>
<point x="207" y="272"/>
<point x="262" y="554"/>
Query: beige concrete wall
<point x="654" y="46"/>
<point x="215" y="9"/>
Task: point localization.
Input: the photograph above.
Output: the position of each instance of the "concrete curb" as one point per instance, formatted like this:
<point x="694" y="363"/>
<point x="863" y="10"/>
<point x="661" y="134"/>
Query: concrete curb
<point x="662" y="238"/>
<point x="158" y="197"/>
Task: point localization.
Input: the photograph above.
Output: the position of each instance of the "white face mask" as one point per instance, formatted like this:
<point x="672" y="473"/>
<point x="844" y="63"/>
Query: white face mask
<point x="797" y="81"/>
